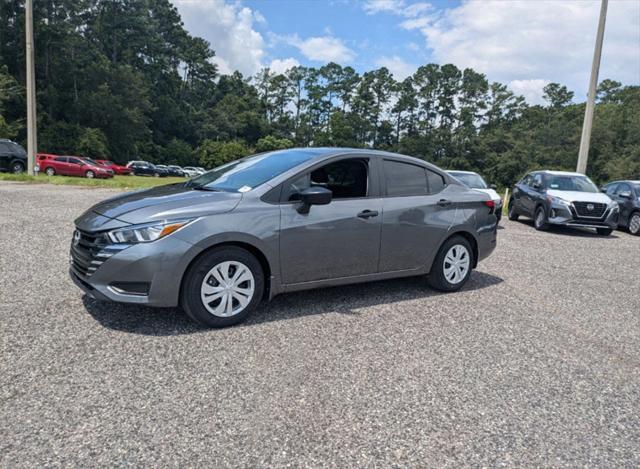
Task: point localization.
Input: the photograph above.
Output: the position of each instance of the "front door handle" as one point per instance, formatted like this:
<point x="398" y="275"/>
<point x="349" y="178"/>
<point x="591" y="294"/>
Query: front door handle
<point x="368" y="214"/>
<point x="444" y="202"/>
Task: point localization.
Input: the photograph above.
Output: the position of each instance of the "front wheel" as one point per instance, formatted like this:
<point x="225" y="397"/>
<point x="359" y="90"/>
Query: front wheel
<point x="222" y="287"/>
<point x="156" y="175"/>
<point x="634" y="224"/>
<point x="511" y="213"/>
<point x="90" y="174"/>
<point x="50" y="172"/>
<point x="453" y="264"/>
<point x="540" y="220"/>
<point x="604" y="231"/>
<point x="17" y="167"/>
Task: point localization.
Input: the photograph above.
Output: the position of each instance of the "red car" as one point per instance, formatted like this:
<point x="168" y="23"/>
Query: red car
<point x="118" y="169"/>
<point x="71" y="166"/>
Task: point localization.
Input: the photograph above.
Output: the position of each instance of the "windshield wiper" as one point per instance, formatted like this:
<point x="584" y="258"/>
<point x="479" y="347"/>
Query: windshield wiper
<point x="205" y="188"/>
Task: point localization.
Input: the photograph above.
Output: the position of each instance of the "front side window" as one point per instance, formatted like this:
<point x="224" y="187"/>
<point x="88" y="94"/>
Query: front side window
<point x="537" y="180"/>
<point x="637" y="187"/>
<point x="404" y="179"/>
<point x="61" y="159"/>
<point x="75" y="161"/>
<point x="346" y="179"/>
<point x="612" y="189"/>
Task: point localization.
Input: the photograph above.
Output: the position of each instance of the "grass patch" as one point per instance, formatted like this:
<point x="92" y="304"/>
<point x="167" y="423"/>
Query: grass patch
<point x="117" y="182"/>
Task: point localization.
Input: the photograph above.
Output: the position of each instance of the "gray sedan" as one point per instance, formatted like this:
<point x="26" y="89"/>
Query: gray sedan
<point x="277" y="222"/>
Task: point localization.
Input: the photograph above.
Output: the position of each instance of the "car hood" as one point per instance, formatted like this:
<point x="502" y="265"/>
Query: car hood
<point x="492" y="193"/>
<point x="572" y="196"/>
<point x="168" y="202"/>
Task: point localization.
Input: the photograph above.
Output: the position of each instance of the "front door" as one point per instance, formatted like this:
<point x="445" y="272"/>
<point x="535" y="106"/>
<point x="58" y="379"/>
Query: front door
<point x="341" y="239"/>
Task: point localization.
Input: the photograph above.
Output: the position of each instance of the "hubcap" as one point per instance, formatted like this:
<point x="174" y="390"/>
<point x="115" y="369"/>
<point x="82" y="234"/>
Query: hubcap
<point x="89" y="174"/>
<point x="50" y="172"/>
<point x="540" y="218"/>
<point x="17" y="168"/>
<point x="227" y="289"/>
<point x="634" y="225"/>
<point x="456" y="264"/>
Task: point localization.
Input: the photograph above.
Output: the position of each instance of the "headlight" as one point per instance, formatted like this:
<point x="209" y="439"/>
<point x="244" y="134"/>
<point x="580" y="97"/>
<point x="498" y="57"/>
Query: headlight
<point x="145" y="233"/>
<point x="614" y="206"/>
<point x="558" y="200"/>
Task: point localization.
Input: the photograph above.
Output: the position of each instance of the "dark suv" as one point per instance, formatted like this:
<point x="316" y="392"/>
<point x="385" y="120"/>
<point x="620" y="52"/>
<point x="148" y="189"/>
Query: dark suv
<point x="563" y="198"/>
<point x="13" y="158"/>
<point x="627" y="194"/>
<point x="144" y="168"/>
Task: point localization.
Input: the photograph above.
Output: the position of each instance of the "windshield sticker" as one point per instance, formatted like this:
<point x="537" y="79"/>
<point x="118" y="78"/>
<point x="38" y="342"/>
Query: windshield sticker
<point x="554" y="186"/>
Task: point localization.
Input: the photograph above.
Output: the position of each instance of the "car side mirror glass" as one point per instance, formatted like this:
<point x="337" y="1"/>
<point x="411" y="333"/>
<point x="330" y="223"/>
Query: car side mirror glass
<point x="625" y="194"/>
<point x="493" y="186"/>
<point x="537" y="186"/>
<point x="314" y="196"/>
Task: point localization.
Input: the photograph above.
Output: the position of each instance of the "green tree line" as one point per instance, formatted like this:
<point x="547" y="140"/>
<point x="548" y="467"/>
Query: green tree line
<point x="123" y="79"/>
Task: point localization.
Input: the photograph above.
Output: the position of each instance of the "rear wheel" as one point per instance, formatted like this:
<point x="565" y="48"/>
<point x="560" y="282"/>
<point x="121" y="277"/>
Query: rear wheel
<point x="223" y="287"/>
<point x="513" y="216"/>
<point x="540" y="220"/>
<point x="157" y="175"/>
<point x="634" y="224"/>
<point x="50" y="172"/>
<point x="17" y="167"/>
<point x="90" y="174"/>
<point x="604" y="231"/>
<point x="452" y="266"/>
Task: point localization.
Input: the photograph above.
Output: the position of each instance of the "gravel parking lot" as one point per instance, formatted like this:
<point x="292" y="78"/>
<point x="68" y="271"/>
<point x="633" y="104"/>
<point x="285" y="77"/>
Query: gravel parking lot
<point x="535" y="363"/>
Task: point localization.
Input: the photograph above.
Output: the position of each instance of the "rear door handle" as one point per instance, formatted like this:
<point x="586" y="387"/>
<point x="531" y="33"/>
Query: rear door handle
<point x="444" y="202"/>
<point x="368" y="214"/>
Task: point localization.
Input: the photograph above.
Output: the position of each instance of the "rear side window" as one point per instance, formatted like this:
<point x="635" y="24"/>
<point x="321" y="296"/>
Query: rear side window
<point x="61" y="159"/>
<point x="404" y="179"/>
<point x="435" y="181"/>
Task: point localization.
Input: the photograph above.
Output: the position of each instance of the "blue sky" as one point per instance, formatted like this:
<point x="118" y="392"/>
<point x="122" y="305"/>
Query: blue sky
<point x="522" y="43"/>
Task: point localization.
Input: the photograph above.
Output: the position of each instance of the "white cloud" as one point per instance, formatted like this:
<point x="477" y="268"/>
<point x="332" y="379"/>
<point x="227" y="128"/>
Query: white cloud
<point x="397" y="66"/>
<point x="532" y="90"/>
<point x="527" y="43"/>
<point x="396" y="7"/>
<point x="282" y="65"/>
<point x="230" y="30"/>
<point x="322" y="48"/>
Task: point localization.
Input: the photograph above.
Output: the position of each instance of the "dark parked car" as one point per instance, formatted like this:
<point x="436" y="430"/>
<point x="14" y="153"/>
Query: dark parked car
<point x="144" y="168"/>
<point x="563" y="198"/>
<point x="13" y="157"/>
<point x="627" y="194"/>
<point x="175" y="171"/>
<point x="279" y="222"/>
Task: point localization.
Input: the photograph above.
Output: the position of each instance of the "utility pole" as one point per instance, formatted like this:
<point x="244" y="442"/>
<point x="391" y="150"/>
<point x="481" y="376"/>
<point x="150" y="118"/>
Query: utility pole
<point x="591" y="97"/>
<point x="32" y="131"/>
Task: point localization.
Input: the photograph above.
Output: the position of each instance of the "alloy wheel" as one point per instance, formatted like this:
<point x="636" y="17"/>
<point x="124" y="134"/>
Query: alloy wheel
<point x="17" y="168"/>
<point x="634" y="224"/>
<point x="539" y="218"/>
<point x="456" y="263"/>
<point x="50" y="172"/>
<point x="90" y="174"/>
<point x="227" y="289"/>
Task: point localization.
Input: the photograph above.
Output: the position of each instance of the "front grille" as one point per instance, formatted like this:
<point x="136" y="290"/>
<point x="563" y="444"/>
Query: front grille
<point x="590" y="209"/>
<point x="88" y="252"/>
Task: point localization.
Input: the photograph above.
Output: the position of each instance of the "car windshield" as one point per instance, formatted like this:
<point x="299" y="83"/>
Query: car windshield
<point x="571" y="183"/>
<point x="473" y="180"/>
<point x="89" y="160"/>
<point x="637" y="188"/>
<point x="247" y="173"/>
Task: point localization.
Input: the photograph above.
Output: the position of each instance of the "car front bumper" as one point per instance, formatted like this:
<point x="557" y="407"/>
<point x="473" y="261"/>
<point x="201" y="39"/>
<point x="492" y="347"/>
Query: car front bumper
<point x="565" y="215"/>
<point x="146" y="273"/>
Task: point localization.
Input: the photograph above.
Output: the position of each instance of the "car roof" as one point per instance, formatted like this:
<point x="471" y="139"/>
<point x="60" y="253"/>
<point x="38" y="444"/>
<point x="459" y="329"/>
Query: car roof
<point x="559" y="173"/>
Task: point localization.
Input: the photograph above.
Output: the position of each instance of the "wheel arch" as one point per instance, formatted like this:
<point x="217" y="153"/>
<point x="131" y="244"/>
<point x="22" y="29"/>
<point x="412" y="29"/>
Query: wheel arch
<point x="258" y="253"/>
<point x="465" y="234"/>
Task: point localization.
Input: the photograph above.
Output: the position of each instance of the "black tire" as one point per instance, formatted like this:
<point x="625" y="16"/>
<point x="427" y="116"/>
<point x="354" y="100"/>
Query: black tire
<point x="437" y="279"/>
<point x="17" y="167"/>
<point x="634" y="228"/>
<point x="90" y="174"/>
<point x="604" y="231"/>
<point x="511" y="212"/>
<point x="157" y="175"/>
<point x="540" y="219"/>
<point x="190" y="299"/>
<point x="50" y="171"/>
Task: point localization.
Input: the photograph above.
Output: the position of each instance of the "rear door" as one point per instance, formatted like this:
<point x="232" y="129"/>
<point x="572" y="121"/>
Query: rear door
<point x="341" y="239"/>
<point x="76" y="167"/>
<point x="417" y="212"/>
<point x="61" y="165"/>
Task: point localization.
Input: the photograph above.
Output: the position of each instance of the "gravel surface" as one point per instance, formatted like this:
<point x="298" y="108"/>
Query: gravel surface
<point x="535" y="363"/>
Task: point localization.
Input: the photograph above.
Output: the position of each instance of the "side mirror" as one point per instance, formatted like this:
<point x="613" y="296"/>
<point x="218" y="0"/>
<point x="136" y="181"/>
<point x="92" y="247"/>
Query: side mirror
<point x="537" y="186"/>
<point x="625" y="194"/>
<point x="314" y="196"/>
<point x="493" y="186"/>
<point x="603" y="190"/>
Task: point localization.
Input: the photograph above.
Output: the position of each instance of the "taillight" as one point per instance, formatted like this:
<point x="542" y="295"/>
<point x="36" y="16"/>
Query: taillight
<point x="491" y="204"/>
